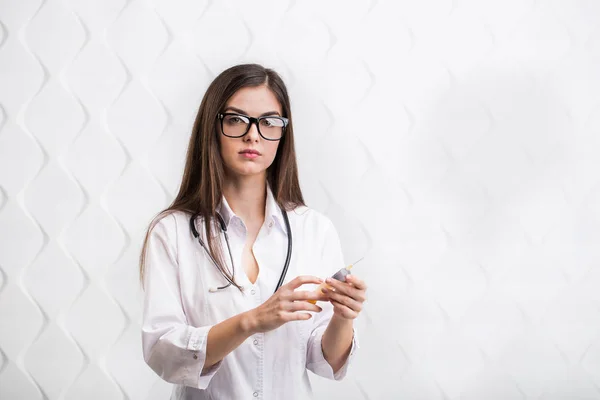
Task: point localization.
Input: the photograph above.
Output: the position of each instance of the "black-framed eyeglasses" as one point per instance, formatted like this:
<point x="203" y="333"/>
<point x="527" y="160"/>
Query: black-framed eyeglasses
<point x="270" y="127"/>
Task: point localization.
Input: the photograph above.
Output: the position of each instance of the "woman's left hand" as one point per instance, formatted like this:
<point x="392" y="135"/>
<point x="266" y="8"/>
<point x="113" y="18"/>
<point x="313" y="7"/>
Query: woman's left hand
<point x="347" y="297"/>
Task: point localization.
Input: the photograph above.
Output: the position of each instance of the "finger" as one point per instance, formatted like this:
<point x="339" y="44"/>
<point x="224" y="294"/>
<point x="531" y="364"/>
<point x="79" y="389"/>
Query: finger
<point x="305" y="295"/>
<point x="344" y="311"/>
<point x="297" y="316"/>
<point x="303" y="306"/>
<point x="347" y="289"/>
<point x="356" y="282"/>
<point x="321" y="297"/>
<point x="345" y="300"/>
<point x="302" y="280"/>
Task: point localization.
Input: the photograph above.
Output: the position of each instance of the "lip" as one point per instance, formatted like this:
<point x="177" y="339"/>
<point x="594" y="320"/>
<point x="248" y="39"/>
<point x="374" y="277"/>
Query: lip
<point x="250" y="153"/>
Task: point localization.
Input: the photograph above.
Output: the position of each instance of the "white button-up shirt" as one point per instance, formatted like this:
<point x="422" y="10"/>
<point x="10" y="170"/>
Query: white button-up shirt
<point x="182" y="304"/>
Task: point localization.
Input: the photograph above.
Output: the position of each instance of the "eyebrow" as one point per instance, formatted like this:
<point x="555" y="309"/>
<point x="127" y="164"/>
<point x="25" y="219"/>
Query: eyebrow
<point x="238" y="110"/>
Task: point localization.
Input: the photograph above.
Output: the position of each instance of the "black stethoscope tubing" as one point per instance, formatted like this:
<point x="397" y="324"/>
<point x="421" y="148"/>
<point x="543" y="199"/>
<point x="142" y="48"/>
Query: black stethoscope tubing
<point x="224" y="230"/>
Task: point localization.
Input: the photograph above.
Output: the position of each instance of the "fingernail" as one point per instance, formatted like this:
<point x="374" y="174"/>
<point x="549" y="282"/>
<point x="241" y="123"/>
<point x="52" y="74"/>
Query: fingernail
<point x="329" y="280"/>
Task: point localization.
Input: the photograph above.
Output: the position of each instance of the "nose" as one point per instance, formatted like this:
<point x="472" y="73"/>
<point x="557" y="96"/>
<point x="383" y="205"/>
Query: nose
<point x="253" y="132"/>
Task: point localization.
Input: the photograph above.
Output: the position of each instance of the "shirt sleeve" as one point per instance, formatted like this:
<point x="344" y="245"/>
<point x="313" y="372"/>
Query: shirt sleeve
<point x="332" y="261"/>
<point x="173" y="349"/>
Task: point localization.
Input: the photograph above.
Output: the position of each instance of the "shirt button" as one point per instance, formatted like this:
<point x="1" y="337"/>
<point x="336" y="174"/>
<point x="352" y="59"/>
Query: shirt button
<point x="253" y="292"/>
<point x="270" y="224"/>
<point x="255" y="394"/>
<point x="255" y="341"/>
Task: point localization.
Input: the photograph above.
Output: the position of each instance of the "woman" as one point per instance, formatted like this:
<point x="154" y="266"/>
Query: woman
<point x="214" y="323"/>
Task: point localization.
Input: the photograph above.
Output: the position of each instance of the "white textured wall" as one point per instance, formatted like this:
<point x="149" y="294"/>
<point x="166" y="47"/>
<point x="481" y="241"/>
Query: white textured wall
<point x="456" y="144"/>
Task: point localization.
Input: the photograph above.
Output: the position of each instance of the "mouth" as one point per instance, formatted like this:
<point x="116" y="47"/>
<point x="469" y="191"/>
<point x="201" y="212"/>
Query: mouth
<point x="250" y="153"/>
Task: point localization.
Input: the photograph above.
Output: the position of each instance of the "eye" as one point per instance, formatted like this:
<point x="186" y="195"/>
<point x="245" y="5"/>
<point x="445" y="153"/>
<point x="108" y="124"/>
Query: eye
<point x="271" y="122"/>
<point x="235" y="119"/>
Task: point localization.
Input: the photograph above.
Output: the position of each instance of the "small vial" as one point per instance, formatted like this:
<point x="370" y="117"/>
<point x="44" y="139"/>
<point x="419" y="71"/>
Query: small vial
<point x="340" y="276"/>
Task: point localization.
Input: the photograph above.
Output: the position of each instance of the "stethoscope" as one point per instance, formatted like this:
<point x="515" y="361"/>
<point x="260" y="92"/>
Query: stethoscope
<point x="224" y="230"/>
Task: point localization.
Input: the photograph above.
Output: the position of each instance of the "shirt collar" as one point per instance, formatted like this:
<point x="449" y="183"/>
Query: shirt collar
<point x="272" y="211"/>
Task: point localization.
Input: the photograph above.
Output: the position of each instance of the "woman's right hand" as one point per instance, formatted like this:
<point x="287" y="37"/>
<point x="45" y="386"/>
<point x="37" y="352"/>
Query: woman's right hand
<point x="285" y="305"/>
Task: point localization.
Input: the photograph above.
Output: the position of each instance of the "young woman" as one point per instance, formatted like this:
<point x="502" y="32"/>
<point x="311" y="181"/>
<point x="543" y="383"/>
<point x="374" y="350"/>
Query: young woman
<point x="225" y="313"/>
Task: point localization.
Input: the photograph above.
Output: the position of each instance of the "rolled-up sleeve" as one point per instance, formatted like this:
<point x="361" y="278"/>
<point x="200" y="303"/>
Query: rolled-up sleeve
<point x="332" y="259"/>
<point x="175" y="350"/>
<point x="316" y="361"/>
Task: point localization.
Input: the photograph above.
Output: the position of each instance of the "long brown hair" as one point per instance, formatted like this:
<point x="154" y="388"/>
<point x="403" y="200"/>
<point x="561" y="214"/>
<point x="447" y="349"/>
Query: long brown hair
<point x="200" y="192"/>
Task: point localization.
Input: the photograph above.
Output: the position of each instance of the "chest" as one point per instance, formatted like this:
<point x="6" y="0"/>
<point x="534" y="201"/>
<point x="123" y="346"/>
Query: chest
<point x="248" y="260"/>
<point x="257" y="263"/>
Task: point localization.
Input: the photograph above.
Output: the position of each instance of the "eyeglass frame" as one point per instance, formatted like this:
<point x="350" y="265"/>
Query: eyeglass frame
<point x="255" y="121"/>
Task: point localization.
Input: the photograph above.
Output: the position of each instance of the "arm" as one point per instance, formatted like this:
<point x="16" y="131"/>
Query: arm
<point x="172" y="348"/>
<point x="225" y="337"/>
<point x="283" y="306"/>
<point x="337" y="342"/>
<point x="347" y="299"/>
<point x="183" y="354"/>
<point x="333" y="339"/>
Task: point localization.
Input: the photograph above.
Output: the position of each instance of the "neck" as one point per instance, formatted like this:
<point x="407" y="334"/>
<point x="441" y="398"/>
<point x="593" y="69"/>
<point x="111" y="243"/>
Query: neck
<point x="247" y="197"/>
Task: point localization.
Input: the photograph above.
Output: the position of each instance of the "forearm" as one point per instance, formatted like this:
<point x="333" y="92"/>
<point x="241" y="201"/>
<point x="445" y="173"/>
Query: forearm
<point x="225" y="337"/>
<point x="337" y="341"/>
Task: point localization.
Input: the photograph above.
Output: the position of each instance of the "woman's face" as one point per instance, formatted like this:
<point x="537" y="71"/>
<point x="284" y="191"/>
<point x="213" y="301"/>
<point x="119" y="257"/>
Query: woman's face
<point x="254" y="102"/>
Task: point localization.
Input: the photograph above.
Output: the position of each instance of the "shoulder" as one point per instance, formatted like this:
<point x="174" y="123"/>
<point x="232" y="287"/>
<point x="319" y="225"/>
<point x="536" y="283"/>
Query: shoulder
<point x="169" y="224"/>
<point x="311" y="219"/>
<point x="319" y="236"/>
<point x="167" y="230"/>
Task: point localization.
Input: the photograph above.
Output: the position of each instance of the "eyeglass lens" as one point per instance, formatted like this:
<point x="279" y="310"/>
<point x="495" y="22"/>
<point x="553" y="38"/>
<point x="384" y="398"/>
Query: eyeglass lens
<point x="238" y="125"/>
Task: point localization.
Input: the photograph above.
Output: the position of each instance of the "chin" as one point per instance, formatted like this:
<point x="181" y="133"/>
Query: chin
<point x="248" y="170"/>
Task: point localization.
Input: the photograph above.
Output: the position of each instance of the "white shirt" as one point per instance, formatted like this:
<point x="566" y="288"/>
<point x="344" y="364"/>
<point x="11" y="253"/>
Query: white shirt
<point x="180" y="307"/>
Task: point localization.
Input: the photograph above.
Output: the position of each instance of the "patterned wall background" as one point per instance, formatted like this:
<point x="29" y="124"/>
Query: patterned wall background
<point x="454" y="143"/>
